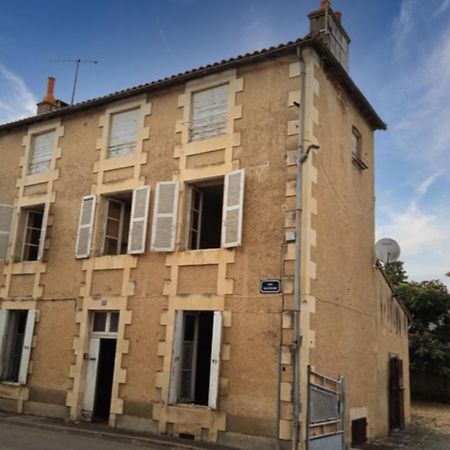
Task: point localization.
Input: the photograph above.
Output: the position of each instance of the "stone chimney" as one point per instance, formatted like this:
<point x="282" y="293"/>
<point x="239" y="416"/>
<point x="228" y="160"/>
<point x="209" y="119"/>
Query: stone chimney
<point x="327" y="25"/>
<point x="49" y="102"/>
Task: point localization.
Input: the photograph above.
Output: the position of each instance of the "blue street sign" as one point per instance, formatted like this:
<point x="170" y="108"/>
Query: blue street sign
<point x="270" y="286"/>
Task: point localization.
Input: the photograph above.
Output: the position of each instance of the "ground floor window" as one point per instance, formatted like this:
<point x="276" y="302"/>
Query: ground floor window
<point x="16" y="334"/>
<point x="196" y="356"/>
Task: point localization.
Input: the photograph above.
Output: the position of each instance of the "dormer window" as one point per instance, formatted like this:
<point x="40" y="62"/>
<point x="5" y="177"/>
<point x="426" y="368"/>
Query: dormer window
<point x="123" y="134"/>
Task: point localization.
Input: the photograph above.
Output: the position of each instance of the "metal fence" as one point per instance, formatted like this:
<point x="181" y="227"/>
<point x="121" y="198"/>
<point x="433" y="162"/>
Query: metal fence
<point x="325" y="415"/>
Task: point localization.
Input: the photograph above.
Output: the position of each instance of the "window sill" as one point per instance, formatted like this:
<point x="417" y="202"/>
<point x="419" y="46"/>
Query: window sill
<point x="358" y="162"/>
<point x="10" y="383"/>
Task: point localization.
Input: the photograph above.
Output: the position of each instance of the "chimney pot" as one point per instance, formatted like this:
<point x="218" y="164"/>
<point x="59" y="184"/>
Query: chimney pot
<point x="325" y="4"/>
<point x="338" y="15"/>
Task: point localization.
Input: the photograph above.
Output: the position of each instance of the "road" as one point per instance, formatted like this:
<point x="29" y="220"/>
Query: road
<point x="13" y="437"/>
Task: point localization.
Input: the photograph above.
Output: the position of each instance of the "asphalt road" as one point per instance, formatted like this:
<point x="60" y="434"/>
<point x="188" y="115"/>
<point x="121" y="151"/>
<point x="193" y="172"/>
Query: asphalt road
<point x="14" y="437"/>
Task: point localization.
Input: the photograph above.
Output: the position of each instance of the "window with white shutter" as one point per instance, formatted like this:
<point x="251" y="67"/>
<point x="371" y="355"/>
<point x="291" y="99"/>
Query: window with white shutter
<point x="233" y="209"/>
<point x="209" y="113"/>
<point x="123" y="133"/>
<point x="16" y="337"/>
<point x="41" y="152"/>
<point x="196" y="358"/>
<point x="85" y="227"/>
<point x="6" y="219"/>
<point x="165" y="216"/>
<point x="139" y="219"/>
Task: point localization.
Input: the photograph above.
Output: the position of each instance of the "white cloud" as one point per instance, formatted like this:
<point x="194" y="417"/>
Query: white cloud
<point x="16" y="100"/>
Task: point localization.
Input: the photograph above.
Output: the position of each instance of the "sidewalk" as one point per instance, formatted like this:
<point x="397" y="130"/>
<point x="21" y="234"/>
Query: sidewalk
<point x="100" y="431"/>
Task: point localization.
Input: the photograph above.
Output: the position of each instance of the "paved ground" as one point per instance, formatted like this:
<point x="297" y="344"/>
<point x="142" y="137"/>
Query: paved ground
<point x="14" y="437"/>
<point x="430" y="430"/>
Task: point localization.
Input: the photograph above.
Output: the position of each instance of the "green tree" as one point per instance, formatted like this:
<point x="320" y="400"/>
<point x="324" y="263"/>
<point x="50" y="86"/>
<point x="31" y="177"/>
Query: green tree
<point x="429" y="337"/>
<point x="395" y="272"/>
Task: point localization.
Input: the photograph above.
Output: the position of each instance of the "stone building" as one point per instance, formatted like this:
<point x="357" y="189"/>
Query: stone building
<point x="168" y="266"/>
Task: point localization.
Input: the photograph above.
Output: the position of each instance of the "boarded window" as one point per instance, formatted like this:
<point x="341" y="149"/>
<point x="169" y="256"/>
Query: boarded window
<point x="41" y="153"/>
<point x="165" y="216"/>
<point x="209" y="113"/>
<point x="6" y="218"/>
<point x="123" y="134"/>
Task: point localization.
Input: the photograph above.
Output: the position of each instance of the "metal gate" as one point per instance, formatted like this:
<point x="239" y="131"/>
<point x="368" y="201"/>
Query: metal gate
<point x="325" y="414"/>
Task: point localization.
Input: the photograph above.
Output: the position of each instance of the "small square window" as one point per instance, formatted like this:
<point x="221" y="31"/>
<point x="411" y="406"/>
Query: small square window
<point x="99" y="323"/>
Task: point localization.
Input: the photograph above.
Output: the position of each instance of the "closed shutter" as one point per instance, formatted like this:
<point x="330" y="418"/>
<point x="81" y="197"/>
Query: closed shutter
<point x="233" y="209"/>
<point x="6" y="218"/>
<point x="123" y="134"/>
<point x="215" y="360"/>
<point x="43" y="232"/>
<point x="176" y="357"/>
<point x="209" y="113"/>
<point x="85" y="227"/>
<point x="139" y="219"/>
<point x="41" y="153"/>
<point x="165" y="216"/>
<point x="3" y="324"/>
<point x="26" y="348"/>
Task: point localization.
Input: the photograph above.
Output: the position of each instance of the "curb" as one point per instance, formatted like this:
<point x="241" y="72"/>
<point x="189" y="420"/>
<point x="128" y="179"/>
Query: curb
<point x="158" y="443"/>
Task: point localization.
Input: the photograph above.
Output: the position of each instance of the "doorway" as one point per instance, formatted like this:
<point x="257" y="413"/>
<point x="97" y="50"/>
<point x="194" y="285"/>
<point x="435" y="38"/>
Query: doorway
<point x="396" y="396"/>
<point x="100" y="366"/>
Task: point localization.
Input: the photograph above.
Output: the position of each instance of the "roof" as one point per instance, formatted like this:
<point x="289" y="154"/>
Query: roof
<point x="328" y="58"/>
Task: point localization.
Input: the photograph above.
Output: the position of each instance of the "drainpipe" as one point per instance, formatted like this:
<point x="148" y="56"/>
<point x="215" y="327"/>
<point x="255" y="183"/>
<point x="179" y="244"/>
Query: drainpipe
<point x="296" y="344"/>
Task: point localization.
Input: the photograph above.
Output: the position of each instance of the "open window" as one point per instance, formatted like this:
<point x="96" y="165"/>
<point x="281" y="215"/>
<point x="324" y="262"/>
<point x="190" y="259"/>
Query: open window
<point x="117" y="211"/>
<point x="123" y="133"/>
<point x="31" y="232"/>
<point x="196" y="357"/>
<point x="204" y="220"/>
<point x="16" y="335"/>
<point x="209" y="113"/>
<point x="41" y="152"/>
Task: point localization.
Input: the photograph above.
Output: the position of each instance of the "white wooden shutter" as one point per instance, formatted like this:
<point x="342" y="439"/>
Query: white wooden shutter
<point x="26" y="348"/>
<point x="41" y="153"/>
<point x="215" y="360"/>
<point x="165" y="216"/>
<point x="3" y="324"/>
<point x="138" y="220"/>
<point x="209" y="113"/>
<point x="90" y="383"/>
<point x="123" y="134"/>
<point x="85" y="227"/>
<point x="6" y="219"/>
<point x="43" y="232"/>
<point x="176" y="357"/>
<point x="232" y="214"/>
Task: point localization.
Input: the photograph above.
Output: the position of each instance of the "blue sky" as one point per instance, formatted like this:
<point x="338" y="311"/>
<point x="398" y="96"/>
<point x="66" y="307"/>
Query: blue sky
<point x="400" y="59"/>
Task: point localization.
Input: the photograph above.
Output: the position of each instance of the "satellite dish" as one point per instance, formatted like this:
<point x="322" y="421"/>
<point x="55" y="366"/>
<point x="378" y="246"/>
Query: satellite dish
<point x="387" y="250"/>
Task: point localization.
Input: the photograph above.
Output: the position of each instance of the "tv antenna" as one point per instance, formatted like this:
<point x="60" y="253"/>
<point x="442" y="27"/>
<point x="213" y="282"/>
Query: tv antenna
<point x="77" y="69"/>
<point x="387" y="250"/>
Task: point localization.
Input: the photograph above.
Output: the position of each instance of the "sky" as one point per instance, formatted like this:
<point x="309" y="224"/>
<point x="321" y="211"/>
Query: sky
<point x="399" y="58"/>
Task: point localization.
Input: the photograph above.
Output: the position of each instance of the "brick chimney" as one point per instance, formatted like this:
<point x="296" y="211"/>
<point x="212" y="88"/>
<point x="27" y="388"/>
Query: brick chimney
<point x="327" y="24"/>
<point x="49" y="102"/>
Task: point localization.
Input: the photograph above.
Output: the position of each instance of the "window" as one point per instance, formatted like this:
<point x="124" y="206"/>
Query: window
<point x="105" y="322"/>
<point x="16" y="334"/>
<point x="117" y="225"/>
<point x="123" y="133"/>
<point x="209" y="113"/>
<point x="357" y="149"/>
<point x="6" y="218"/>
<point x="205" y="215"/>
<point x="32" y="226"/>
<point x="196" y="357"/>
<point x="41" y="153"/>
